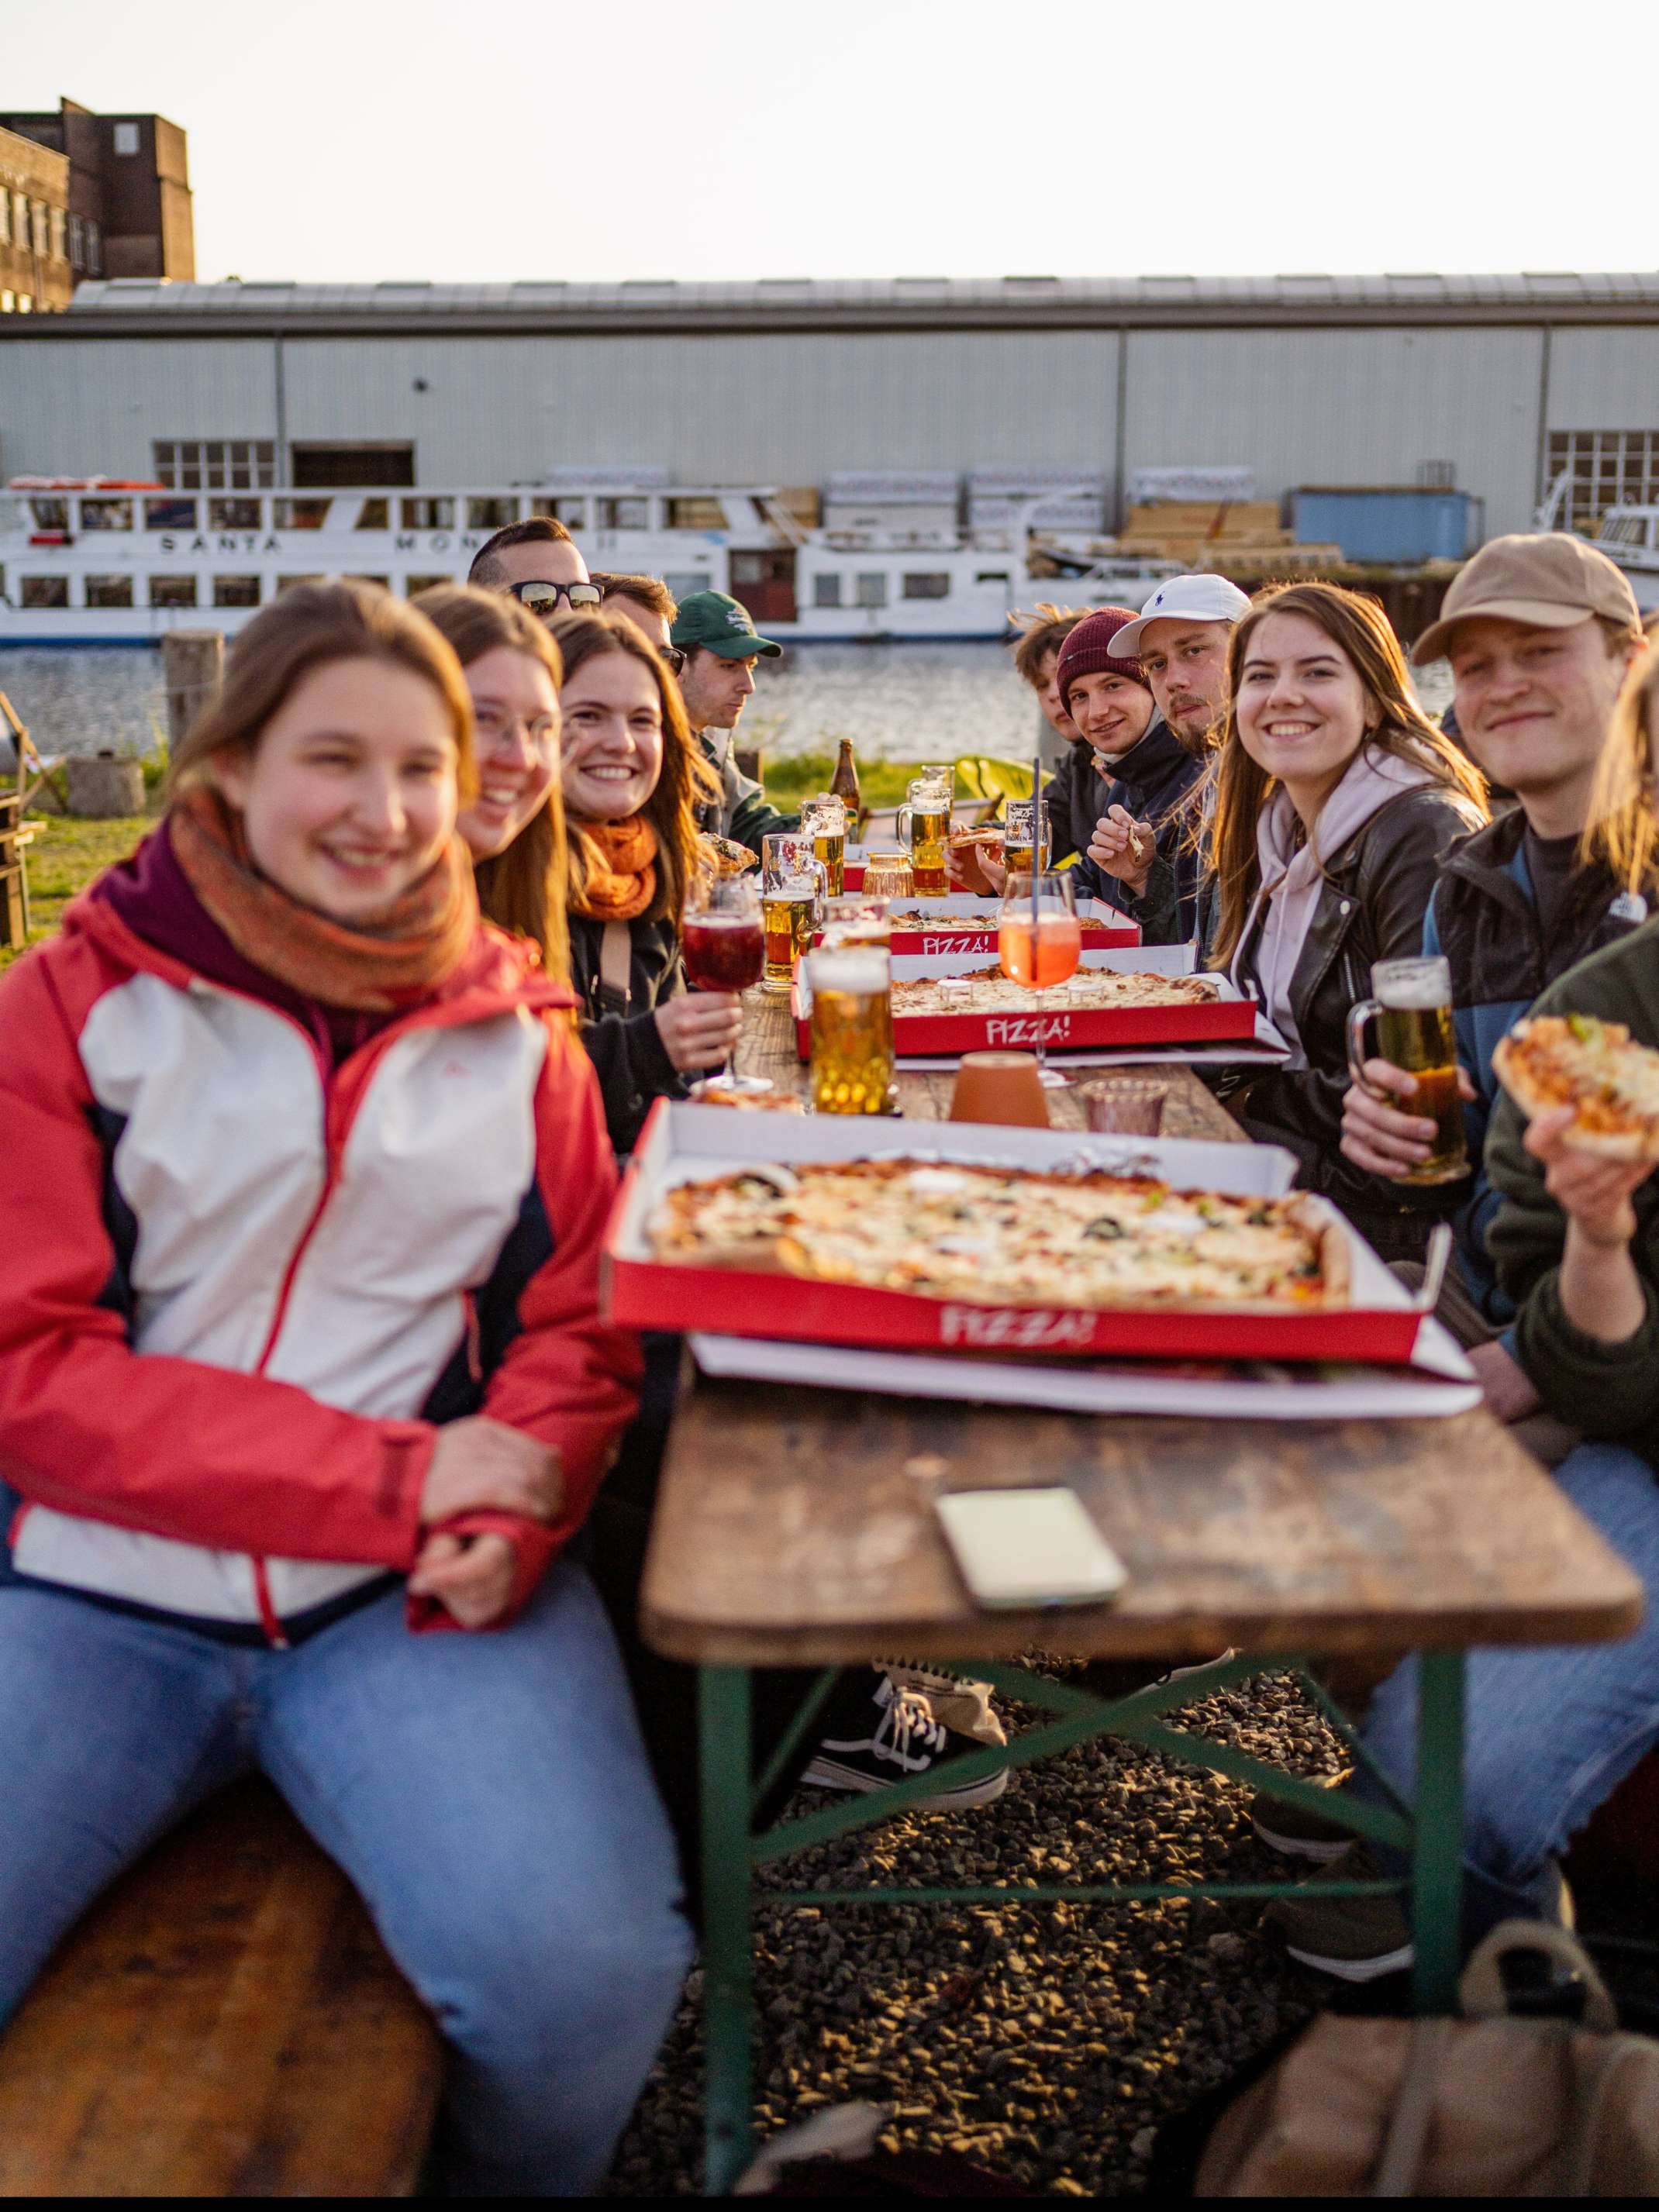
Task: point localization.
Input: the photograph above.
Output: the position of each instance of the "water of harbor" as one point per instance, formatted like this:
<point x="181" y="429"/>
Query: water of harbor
<point x="913" y="701"/>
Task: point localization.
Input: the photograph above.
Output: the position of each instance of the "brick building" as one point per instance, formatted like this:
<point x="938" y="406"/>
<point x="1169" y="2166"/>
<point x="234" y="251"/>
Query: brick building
<point x="90" y="196"/>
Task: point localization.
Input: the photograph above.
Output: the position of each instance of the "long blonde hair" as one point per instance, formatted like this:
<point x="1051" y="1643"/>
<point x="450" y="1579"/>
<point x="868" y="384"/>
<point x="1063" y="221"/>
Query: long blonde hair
<point x="1358" y="628"/>
<point x="1623" y="830"/>
<point x="524" y="888"/>
<point x="686" y="780"/>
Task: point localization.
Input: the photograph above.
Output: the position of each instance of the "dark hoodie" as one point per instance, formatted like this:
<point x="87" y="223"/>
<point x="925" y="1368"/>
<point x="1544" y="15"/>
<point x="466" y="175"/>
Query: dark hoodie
<point x="1155" y="782"/>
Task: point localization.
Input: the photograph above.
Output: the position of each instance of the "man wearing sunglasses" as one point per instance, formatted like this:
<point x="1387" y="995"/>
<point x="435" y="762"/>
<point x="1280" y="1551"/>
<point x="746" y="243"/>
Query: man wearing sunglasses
<point x="539" y="563"/>
<point x="721" y="646"/>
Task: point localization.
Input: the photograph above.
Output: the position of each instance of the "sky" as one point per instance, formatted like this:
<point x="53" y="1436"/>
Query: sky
<point x="342" y="141"/>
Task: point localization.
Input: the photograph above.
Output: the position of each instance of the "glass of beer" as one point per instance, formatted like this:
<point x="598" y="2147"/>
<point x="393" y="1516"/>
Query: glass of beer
<point x="1412" y="1005"/>
<point x="854" y="918"/>
<point x="1019" y="840"/>
<point x="887" y="873"/>
<point x="825" y="821"/>
<point x="791" y="887"/>
<point x="924" y="823"/>
<point x="1039" y="943"/>
<point x="851" y="1029"/>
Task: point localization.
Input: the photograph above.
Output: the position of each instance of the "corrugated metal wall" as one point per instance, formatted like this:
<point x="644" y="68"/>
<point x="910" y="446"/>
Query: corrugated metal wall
<point x="1313" y="405"/>
<point x="782" y="409"/>
<point x="82" y="410"/>
<point x="1344" y="407"/>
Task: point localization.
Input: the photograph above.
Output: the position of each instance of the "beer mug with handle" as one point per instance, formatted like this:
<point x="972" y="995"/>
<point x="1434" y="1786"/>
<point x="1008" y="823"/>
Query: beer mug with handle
<point x="924" y="825"/>
<point x="1411" y="1006"/>
<point x="793" y="888"/>
<point x="825" y="821"/>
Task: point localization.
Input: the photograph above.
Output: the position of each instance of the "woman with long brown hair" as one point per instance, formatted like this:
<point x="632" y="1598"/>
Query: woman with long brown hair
<point x="514" y="824"/>
<point x="632" y="778"/>
<point x="300" y="1353"/>
<point x="1335" y="800"/>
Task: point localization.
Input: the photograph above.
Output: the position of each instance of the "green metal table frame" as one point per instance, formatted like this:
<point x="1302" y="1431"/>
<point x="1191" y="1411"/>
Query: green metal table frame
<point x="1430" y="1834"/>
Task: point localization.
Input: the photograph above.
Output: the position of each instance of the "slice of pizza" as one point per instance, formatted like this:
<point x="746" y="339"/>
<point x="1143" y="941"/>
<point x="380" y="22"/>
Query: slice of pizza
<point x="1612" y="1084"/>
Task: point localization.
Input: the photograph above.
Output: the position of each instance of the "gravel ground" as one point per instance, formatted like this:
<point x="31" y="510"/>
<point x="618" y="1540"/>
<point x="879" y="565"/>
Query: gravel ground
<point x="1047" y="2042"/>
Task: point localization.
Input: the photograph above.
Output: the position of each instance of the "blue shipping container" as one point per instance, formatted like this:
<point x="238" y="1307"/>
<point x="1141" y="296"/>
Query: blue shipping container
<point x="1385" y="523"/>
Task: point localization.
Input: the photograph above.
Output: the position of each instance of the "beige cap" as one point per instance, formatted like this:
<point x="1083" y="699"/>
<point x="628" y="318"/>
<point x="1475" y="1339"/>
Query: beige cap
<point x="1552" y="579"/>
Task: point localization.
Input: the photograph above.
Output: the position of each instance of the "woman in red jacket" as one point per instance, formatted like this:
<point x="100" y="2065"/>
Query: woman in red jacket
<point x="300" y="1200"/>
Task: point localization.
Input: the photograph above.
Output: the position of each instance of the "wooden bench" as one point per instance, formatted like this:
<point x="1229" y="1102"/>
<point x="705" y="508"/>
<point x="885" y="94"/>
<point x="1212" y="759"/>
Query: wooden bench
<point x="224" y="2022"/>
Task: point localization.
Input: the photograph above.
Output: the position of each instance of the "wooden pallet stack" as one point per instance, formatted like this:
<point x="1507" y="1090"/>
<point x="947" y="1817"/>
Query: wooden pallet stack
<point x="1239" y="539"/>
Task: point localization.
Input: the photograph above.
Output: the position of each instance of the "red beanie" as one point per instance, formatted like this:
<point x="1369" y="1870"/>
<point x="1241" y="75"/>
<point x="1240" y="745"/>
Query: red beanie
<point x="1089" y="649"/>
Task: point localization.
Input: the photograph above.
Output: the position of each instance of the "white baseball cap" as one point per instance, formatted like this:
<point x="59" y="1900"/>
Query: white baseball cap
<point x="1183" y="598"/>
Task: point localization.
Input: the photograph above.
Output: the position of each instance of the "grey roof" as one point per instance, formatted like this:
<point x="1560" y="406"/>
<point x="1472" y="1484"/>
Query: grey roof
<point x="128" y="304"/>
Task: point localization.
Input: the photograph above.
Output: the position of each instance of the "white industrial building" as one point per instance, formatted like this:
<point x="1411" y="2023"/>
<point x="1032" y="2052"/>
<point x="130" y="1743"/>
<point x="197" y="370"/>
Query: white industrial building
<point x="1491" y="384"/>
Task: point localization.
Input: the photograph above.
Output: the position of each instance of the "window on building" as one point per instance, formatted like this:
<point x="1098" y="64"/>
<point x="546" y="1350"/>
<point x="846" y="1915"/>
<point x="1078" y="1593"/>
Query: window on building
<point x="106" y="514"/>
<point x="44" y="591"/>
<point x="236" y="590"/>
<point x="59" y="233"/>
<point x="826" y="589"/>
<point x="427" y="513"/>
<point x="491" y="514"/>
<point x="991" y="576"/>
<point x="94" y="250"/>
<point x="38" y="218"/>
<point x="375" y="514"/>
<point x="629" y="513"/>
<point x="215" y="465"/>
<point x="109" y="591"/>
<point x="20" y="220"/>
<point x="684" y="581"/>
<point x="233" y="514"/>
<point x="292" y="583"/>
<point x="78" y="242"/>
<point x="384" y="582"/>
<point x="1607" y="468"/>
<point x="8" y="302"/>
<point x="50" y="514"/>
<point x="126" y="138"/>
<point x="5" y="216"/>
<point x="25" y="304"/>
<point x="872" y="587"/>
<point x="365" y="467"/>
<point x="928" y="584"/>
<point x="172" y="591"/>
<point x="169" y="515"/>
<point x="414" y="586"/>
<point x="572" y="512"/>
<point x="299" y="513"/>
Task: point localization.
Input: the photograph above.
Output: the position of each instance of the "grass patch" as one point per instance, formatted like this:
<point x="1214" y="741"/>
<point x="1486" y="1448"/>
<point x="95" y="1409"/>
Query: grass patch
<point x="65" y="857"/>
<point x="881" y="783"/>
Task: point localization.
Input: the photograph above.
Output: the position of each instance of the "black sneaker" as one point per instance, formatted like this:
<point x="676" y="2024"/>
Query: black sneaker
<point x="1298" y="1834"/>
<point x="1356" y="1939"/>
<point x="882" y="1736"/>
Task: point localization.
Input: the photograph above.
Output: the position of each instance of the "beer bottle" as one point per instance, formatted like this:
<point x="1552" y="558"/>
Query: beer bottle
<point x="844" y="784"/>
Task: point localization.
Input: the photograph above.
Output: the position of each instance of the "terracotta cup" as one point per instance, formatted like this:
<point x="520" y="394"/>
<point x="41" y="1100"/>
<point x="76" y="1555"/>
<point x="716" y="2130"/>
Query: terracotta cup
<point x="999" y="1087"/>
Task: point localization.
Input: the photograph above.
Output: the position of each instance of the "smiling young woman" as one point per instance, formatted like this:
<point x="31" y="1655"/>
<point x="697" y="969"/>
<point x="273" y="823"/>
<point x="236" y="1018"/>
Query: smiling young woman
<point x="1336" y="801"/>
<point x="300" y="1353"/>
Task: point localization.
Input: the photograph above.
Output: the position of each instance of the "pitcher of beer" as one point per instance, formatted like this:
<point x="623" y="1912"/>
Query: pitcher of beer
<point x="924" y="825"/>
<point x="1411" y="1006"/>
<point x="825" y="821"/>
<point x="851" y="1029"/>
<point x="1019" y="838"/>
<point x="793" y="885"/>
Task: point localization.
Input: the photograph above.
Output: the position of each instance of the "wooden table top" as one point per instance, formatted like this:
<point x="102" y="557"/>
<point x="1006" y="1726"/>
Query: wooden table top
<point x="796" y="1526"/>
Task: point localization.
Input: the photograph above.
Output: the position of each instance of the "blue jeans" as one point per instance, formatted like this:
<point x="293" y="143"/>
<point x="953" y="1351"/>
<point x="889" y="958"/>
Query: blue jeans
<point x="487" y="1794"/>
<point x="1552" y="1730"/>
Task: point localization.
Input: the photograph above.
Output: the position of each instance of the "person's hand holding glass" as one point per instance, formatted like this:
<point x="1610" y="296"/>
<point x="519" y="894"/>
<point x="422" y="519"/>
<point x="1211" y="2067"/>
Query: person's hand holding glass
<point x="723" y="948"/>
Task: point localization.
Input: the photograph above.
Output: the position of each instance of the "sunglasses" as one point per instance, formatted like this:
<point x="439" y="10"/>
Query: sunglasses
<point x="675" y="656"/>
<point x="544" y="599"/>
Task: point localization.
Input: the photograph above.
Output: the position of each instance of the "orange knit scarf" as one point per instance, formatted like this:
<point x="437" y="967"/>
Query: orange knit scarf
<point x="396" y="962"/>
<point x="621" y="879"/>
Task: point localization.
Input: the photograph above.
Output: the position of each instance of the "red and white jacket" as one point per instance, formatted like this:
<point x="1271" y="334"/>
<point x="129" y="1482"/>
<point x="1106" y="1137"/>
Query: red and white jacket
<point x="239" y="1290"/>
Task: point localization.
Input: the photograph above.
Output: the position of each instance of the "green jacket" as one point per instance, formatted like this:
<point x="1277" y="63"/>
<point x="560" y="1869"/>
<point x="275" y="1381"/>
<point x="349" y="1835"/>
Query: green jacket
<point x="743" y="812"/>
<point x="1604" y="1389"/>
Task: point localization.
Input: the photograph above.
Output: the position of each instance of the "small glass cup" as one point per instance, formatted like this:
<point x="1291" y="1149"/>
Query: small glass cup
<point x="887" y="873"/>
<point x="854" y="918"/>
<point x="1125" y="1105"/>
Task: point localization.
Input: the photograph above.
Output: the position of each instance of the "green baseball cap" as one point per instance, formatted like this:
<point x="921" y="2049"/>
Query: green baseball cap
<point x="721" y="623"/>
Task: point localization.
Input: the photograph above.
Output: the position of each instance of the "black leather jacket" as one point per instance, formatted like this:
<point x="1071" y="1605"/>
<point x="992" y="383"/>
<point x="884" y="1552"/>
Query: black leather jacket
<point x="1370" y="908"/>
<point x="1156" y="781"/>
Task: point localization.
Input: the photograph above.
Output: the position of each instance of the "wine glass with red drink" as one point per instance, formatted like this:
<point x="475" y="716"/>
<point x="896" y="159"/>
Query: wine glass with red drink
<point x="723" y="944"/>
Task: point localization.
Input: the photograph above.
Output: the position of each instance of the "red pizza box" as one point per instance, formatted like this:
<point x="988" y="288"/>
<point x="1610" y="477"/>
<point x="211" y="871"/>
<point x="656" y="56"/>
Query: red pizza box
<point x="1228" y="1017"/>
<point x="1102" y="925"/>
<point x="683" y="1143"/>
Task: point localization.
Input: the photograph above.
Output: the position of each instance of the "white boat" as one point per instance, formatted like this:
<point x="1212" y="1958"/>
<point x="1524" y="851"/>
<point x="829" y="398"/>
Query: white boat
<point x="1628" y="534"/>
<point x="92" y="561"/>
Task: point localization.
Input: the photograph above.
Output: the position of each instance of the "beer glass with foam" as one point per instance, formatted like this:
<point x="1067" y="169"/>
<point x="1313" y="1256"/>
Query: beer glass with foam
<point x="792" y="884"/>
<point x="852" y="1029"/>
<point x="1019" y="840"/>
<point x="924" y="825"/>
<point x="1411" y="1003"/>
<point x="825" y="821"/>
